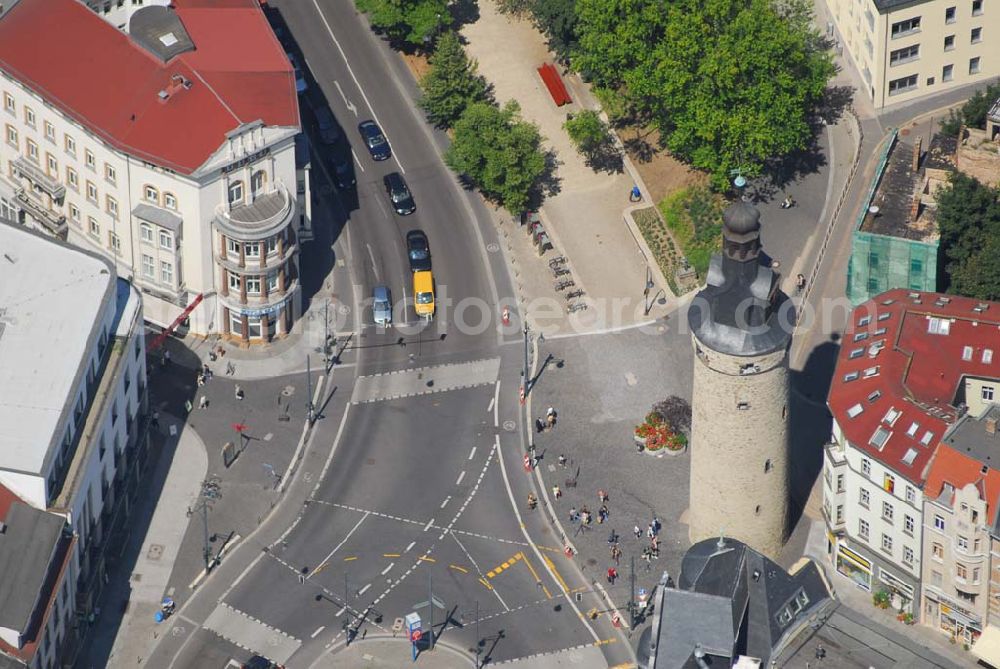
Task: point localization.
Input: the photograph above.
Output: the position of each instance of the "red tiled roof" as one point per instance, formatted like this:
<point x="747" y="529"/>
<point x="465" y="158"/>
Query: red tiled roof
<point x="958" y="469"/>
<point x="916" y="374"/>
<point x="95" y="74"/>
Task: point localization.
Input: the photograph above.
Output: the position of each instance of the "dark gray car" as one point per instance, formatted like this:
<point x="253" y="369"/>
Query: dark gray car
<point x="399" y="194"/>
<point x="375" y="140"/>
<point x="327" y="125"/>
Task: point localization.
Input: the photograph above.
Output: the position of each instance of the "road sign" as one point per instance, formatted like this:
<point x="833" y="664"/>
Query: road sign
<point x="415" y="635"/>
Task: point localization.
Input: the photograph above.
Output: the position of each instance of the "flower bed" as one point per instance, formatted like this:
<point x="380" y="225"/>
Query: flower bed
<point x="656" y="434"/>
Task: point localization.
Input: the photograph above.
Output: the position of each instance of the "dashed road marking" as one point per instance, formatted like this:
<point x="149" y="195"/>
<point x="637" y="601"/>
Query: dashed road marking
<point x="390" y="554"/>
<point x="460" y="477"/>
<point x="426" y="558"/>
<point x="316" y="633"/>
<point x="445" y="502"/>
<point x="457" y="568"/>
<point x="429" y="524"/>
<point x="364" y="589"/>
<point x="472" y="453"/>
<point x="493" y="573"/>
<point x="348" y="559"/>
<point x="386" y="570"/>
<point x="412" y="543"/>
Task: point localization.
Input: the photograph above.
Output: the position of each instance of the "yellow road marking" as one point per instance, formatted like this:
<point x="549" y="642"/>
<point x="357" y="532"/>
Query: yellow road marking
<point x="492" y="573"/>
<point x="534" y="573"/>
<point x="552" y="568"/>
<point x="505" y="565"/>
<point x="548" y="594"/>
<point x="461" y="569"/>
<point x="390" y="554"/>
<point x="425" y="558"/>
<point x="488" y="586"/>
<point x="623" y="665"/>
<point x="580" y="589"/>
<point x="604" y="642"/>
<point x="550" y="549"/>
<point x="348" y="559"/>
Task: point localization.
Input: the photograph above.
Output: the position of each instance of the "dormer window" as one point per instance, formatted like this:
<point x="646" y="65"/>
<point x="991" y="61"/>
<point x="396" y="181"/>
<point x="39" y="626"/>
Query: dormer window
<point x="912" y="430"/>
<point x="864" y="320"/>
<point x="871" y="371"/>
<point x="235" y="192"/>
<point x="861" y="336"/>
<point x="926" y="439"/>
<point x="857" y="353"/>
<point x="966" y="353"/>
<point x="987" y="356"/>
<point x="938" y="326"/>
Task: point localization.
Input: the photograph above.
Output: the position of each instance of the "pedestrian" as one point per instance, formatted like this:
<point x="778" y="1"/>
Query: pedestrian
<point x="556" y="492"/>
<point x="550" y="413"/>
<point x="203" y="402"/>
<point x="201" y="379"/>
<point x="612" y="538"/>
<point x="166" y="357"/>
<point x="637" y="532"/>
<point x="657" y="525"/>
<point x="239" y="393"/>
<point x="616" y="554"/>
<point x="602" y="495"/>
<point x="539" y="425"/>
<point x="573" y="515"/>
<point x="612" y="575"/>
<point x="649" y="531"/>
<point x="550" y="421"/>
<point x="605" y="511"/>
<point x="562" y="460"/>
<point x="206" y="372"/>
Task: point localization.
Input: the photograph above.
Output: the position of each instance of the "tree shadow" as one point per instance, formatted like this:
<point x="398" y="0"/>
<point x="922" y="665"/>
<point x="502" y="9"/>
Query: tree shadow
<point x="640" y="148"/>
<point x="463" y="12"/>
<point x="793" y="166"/>
<point x="810" y="423"/>
<point x="835" y="103"/>
<point x="548" y="184"/>
<point x="606" y="158"/>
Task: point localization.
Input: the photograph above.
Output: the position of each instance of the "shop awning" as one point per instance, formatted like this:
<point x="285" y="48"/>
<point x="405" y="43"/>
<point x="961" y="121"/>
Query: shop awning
<point x="987" y="646"/>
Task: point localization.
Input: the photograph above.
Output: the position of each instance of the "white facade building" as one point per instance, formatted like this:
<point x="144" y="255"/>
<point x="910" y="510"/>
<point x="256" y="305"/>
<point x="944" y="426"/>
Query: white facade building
<point x="176" y="159"/>
<point x="73" y="402"/>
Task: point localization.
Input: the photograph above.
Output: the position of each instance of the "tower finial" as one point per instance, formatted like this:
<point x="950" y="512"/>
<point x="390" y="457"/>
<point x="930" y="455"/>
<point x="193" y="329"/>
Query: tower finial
<point x="722" y="540"/>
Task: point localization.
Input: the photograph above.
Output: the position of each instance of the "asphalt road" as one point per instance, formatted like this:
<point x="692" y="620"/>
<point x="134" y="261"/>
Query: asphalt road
<point x="418" y="494"/>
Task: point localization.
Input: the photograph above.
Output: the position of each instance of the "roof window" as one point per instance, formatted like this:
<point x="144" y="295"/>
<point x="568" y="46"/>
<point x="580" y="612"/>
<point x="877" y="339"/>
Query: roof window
<point x="887" y="303"/>
<point x="874" y="395"/>
<point x="876" y="348"/>
<point x="892" y="415"/>
<point x="857" y="353"/>
<point x="880" y="332"/>
<point x="864" y="320"/>
<point x="926" y="439"/>
<point x="912" y="430"/>
<point x="855" y="410"/>
<point x="880" y="437"/>
<point x="966" y="353"/>
<point x="940" y="326"/>
<point x="884" y="316"/>
<point x="851" y="376"/>
<point x="168" y="39"/>
<point x="941" y="301"/>
<point x="913" y="295"/>
<point x="911" y="455"/>
<point x="987" y="356"/>
<point x="861" y="336"/>
<point x="981" y="307"/>
<point x="871" y="371"/>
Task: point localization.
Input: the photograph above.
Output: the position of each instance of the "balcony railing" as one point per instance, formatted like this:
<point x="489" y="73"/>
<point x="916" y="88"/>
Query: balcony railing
<point x="37" y="176"/>
<point x="266" y="214"/>
<point x="53" y="221"/>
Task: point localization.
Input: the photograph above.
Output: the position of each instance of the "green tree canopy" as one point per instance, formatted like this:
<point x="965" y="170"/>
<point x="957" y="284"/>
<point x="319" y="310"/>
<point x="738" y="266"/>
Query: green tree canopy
<point x="411" y="22"/>
<point x="973" y="113"/>
<point x="451" y="84"/>
<point x="614" y="37"/>
<point x="499" y="153"/>
<point x="557" y="19"/>
<point x="968" y="218"/>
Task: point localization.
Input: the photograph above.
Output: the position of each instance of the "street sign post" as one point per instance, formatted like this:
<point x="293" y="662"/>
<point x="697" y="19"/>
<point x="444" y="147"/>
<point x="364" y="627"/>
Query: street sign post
<point x="414" y="630"/>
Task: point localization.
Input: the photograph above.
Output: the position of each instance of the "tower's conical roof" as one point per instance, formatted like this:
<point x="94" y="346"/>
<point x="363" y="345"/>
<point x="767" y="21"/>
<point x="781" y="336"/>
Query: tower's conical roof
<point x="741" y="218"/>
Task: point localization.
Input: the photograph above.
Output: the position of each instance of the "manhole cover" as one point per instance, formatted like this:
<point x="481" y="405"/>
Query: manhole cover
<point x="591" y="561"/>
<point x="370" y="461"/>
<point x="509" y="425"/>
<point x="492" y="248"/>
<point x="269" y="436"/>
<point x="155" y="552"/>
<point x="288" y="391"/>
<point x="344" y="309"/>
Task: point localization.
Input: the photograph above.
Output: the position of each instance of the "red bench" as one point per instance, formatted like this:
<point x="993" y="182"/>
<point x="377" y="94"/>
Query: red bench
<point x="557" y="89"/>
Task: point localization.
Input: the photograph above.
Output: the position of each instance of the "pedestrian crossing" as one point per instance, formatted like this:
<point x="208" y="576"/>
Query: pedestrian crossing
<point x="425" y="380"/>
<point x="251" y="634"/>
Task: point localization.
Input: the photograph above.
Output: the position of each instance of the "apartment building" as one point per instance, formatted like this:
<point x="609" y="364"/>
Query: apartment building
<point x="907" y="49"/>
<point x="910" y="365"/>
<point x="175" y="159"/>
<point x="73" y="402"/>
<point x="36" y="591"/>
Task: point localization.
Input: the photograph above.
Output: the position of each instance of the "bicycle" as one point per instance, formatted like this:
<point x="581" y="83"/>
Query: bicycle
<point x="573" y="294"/>
<point x="560" y="271"/>
<point x="578" y="306"/>
<point x="558" y="260"/>
<point x="564" y="284"/>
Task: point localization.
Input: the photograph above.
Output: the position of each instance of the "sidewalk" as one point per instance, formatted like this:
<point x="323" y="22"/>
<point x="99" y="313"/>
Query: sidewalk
<point x="585" y="218"/>
<point x="161" y="542"/>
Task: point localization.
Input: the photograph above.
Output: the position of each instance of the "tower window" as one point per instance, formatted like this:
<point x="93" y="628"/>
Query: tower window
<point x="768" y="466"/>
<point x="743" y="406"/>
<point x="756" y="511"/>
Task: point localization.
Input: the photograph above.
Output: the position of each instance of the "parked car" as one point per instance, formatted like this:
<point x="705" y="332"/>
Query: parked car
<point x="375" y="140"/>
<point x="259" y="662"/>
<point x="328" y="132"/>
<point x="300" y="81"/>
<point x="382" y="306"/>
<point x="399" y="194"/>
<point x="423" y="294"/>
<point x="343" y="168"/>
<point x="418" y="251"/>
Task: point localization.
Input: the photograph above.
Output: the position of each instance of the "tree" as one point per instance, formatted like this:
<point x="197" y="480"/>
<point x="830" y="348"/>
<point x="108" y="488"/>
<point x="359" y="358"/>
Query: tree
<point x="557" y="19"/>
<point x="407" y="22"/>
<point x="451" y="84"/>
<point x="973" y="113"/>
<point x="592" y="139"/>
<point x="498" y="153"/>
<point x="614" y="37"/>
<point x="731" y="85"/>
<point x="968" y="218"/>
<point x="676" y="411"/>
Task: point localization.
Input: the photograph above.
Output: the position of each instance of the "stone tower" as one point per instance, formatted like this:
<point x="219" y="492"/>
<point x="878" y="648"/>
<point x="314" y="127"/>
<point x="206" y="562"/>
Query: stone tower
<point x="741" y="325"/>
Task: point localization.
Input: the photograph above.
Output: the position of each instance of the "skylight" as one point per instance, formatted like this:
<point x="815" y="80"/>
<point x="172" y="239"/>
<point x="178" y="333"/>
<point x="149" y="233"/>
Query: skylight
<point x="861" y="336"/>
<point x="168" y="39"/>
<point x="851" y="376"/>
<point x="911" y="455"/>
<point x="926" y="439"/>
<point x="855" y="410"/>
<point x="874" y="396"/>
<point x="884" y="316"/>
<point x="940" y="326"/>
<point x="892" y="415"/>
<point x="880" y="437"/>
<point x="912" y="429"/>
<point x="966" y="353"/>
<point x="871" y="371"/>
<point x="987" y="356"/>
<point x="864" y="320"/>
<point x="857" y="353"/>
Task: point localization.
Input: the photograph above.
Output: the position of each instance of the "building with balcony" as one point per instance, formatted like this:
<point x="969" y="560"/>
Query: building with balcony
<point x="960" y="505"/>
<point x="36" y="591"/>
<point x="184" y="139"/>
<point x="910" y="365"/>
<point x="905" y="50"/>
<point x="74" y="402"/>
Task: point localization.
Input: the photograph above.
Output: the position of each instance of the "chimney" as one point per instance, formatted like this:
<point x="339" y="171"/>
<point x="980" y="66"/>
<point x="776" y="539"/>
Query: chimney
<point x="915" y="208"/>
<point x="916" y="154"/>
<point x="991" y="426"/>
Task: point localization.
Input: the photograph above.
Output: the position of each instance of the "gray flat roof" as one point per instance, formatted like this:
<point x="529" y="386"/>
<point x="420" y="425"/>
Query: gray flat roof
<point x="158" y="216"/>
<point x="969" y="436"/>
<point x="691" y="618"/>
<point x="26" y="549"/>
<point x="51" y="296"/>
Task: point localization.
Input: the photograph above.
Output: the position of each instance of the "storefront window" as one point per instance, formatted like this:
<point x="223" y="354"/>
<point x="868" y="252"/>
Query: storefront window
<point x="235" y="324"/>
<point x="253" y="327"/>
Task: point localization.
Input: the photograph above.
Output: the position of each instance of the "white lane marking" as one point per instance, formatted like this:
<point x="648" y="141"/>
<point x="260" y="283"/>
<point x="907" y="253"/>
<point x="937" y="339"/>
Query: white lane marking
<point x="357" y="162"/>
<point x="356" y="82"/>
<point x="412" y="544"/>
<point x="428" y="525"/>
<point x="460" y="477"/>
<point x="340" y="612"/>
<point x="347" y="103"/>
<point x="490" y="407"/>
<point x="338" y="546"/>
<point x="480" y="571"/>
<point x="318" y="630"/>
<point x="371" y="256"/>
<point x="445" y="502"/>
<point x="472" y="453"/>
<point x="364" y="589"/>
<point x="496" y="405"/>
<point x="386" y="570"/>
